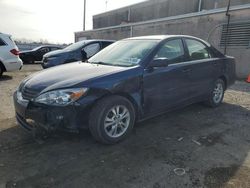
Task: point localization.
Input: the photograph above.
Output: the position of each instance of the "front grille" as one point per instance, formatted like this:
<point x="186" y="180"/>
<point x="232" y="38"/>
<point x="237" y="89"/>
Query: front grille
<point x="28" y="93"/>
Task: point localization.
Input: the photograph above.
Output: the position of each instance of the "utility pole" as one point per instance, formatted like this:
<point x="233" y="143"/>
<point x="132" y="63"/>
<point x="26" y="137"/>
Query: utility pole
<point x="84" y="15"/>
<point x="106" y="2"/>
<point x="228" y="23"/>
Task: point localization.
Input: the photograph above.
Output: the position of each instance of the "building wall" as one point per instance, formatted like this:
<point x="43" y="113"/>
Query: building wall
<point x="154" y="9"/>
<point x="210" y="4"/>
<point x="205" y="26"/>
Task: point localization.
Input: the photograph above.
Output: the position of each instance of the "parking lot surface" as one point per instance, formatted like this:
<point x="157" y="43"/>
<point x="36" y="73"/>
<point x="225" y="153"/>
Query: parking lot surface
<point x="192" y="147"/>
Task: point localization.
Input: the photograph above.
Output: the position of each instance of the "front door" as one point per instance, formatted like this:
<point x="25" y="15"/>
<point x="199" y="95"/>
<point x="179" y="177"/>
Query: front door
<point x="165" y="87"/>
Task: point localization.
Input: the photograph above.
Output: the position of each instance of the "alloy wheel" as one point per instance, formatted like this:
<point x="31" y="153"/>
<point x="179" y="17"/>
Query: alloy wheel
<point x="218" y="93"/>
<point x="117" y="121"/>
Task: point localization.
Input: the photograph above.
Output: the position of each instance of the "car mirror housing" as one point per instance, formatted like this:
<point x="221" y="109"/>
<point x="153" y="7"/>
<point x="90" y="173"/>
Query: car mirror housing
<point x="159" y="62"/>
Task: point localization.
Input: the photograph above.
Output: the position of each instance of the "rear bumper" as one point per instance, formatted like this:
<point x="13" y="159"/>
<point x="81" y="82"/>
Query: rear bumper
<point x="13" y="64"/>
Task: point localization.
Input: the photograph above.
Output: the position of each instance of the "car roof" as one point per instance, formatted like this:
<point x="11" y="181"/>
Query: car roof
<point x="163" y="37"/>
<point x="5" y="34"/>
<point x="96" y="40"/>
<point x="50" y="45"/>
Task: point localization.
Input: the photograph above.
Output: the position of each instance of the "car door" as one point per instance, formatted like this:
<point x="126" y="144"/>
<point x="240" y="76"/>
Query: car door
<point x="203" y="67"/>
<point x="166" y="87"/>
<point x="40" y="53"/>
<point x="4" y="52"/>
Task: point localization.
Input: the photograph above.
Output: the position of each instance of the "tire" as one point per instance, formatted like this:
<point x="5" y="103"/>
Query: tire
<point x="1" y="71"/>
<point x="217" y="94"/>
<point x="104" y="122"/>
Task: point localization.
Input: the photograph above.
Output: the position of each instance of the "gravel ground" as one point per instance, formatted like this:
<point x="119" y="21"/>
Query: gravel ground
<point x="210" y="146"/>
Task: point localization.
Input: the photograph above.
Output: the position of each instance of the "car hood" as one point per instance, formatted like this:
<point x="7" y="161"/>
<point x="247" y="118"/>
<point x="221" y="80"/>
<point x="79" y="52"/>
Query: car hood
<point x="68" y="75"/>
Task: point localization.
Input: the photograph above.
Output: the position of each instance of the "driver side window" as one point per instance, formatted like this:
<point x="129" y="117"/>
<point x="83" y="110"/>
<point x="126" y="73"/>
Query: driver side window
<point x="44" y="50"/>
<point x="172" y="50"/>
<point x="91" y="49"/>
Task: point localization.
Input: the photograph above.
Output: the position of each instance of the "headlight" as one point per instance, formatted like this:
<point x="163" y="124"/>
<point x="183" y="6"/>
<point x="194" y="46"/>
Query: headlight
<point x="61" y="97"/>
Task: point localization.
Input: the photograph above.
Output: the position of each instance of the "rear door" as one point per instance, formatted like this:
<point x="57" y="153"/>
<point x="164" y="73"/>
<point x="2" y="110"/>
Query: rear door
<point x="3" y="49"/>
<point x="166" y="87"/>
<point x="42" y="51"/>
<point x="203" y="66"/>
<point x="6" y="45"/>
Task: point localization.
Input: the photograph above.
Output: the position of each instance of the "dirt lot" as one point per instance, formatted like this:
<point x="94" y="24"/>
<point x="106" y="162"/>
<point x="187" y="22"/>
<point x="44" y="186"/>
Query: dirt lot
<point x="211" y="145"/>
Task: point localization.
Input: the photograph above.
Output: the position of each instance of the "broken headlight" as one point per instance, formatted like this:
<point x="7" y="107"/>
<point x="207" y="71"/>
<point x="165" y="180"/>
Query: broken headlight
<point x="61" y="97"/>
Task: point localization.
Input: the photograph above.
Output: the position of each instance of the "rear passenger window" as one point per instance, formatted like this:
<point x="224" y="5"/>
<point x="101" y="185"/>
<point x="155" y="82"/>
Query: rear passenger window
<point x="2" y="43"/>
<point x="197" y="50"/>
<point x="44" y="50"/>
<point x="172" y="50"/>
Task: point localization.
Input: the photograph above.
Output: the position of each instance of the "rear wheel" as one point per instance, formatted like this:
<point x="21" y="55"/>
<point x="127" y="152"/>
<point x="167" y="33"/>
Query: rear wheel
<point x="217" y="94"/>
<point x="112" y="119"/>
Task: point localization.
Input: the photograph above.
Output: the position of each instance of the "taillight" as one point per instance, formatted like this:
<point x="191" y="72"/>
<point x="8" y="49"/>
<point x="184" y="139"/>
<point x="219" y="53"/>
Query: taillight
<point x="15" y="51"/>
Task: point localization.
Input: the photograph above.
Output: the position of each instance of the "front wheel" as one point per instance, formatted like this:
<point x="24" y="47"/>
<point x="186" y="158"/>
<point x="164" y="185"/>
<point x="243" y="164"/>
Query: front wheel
<point x="112" y="119"/>
<point x="217" y="94"/>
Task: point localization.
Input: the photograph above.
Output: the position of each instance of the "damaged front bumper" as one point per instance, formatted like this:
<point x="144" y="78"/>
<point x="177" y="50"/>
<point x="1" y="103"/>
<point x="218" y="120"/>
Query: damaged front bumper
<point x="31" y="115"/>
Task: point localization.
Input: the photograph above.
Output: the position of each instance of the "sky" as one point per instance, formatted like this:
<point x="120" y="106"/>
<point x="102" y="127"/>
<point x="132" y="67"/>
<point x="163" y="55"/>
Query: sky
<point x="51" y="20"/>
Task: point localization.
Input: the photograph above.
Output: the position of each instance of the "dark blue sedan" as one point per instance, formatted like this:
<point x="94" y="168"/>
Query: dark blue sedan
<point x="129" y="81"/>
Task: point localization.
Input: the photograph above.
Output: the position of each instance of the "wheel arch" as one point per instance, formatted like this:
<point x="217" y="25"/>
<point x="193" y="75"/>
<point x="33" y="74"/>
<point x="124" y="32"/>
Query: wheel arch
<point x="125" y="95"/>
<point x="224" y="78"/>
<point x="132" y="100"/>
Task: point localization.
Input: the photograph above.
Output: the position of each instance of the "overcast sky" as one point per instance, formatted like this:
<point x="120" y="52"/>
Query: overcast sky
<point x="54" y="20"/>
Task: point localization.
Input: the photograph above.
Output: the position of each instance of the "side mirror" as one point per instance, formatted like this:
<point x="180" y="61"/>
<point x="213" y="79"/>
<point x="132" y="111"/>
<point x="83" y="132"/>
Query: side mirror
<point x="160" y="62"/>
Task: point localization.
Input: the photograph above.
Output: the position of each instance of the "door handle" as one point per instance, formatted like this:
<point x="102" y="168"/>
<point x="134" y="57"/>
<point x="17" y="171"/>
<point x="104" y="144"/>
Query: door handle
<point x="186" y="70"/>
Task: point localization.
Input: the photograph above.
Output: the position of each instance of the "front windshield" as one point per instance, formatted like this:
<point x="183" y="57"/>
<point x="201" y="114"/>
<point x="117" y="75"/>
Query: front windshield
<point x="124" y="53"/>
<point x="75" y="46"/>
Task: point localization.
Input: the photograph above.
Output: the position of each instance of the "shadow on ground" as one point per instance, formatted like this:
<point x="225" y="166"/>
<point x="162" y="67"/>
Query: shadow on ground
<point x="5" y="77"/>
<point x="211" y="145"/>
